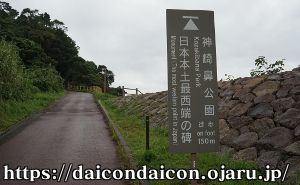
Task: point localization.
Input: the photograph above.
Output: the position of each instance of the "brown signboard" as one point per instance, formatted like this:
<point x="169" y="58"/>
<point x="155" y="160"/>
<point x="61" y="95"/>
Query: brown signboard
<point x="192" y="82"/>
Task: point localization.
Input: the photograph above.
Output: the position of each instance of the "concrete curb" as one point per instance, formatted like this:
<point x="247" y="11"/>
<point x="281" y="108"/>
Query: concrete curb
<point x="18" y="127"/>
<point x="123" y="142"/>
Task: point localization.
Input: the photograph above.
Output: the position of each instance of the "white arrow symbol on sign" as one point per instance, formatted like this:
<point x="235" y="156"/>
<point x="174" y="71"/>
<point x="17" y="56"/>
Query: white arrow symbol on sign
<point x="190" y="25"/>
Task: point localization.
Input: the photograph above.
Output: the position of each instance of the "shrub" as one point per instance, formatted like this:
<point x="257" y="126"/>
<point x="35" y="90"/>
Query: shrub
<point x="261" y="62"/>
<point x="47" y="79"/>
<point x="19" y="83"/>
<point x="13" y="77"/>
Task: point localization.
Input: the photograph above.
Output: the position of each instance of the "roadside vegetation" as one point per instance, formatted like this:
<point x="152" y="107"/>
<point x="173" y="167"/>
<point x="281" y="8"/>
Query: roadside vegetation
<point x="43" y="42"/>
<point x="13" y="111"/>
<point x="37" y="59"/>
<point x="24" y="90"/>
<point x="134" y="131"/>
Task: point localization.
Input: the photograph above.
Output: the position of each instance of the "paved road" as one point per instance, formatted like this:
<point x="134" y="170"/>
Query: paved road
<point x="71" y="132"/>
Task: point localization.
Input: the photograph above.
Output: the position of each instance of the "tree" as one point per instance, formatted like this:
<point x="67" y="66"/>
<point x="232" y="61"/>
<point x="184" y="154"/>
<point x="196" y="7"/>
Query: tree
<point x="7" y="11"/>
<point x="110" y="77"/>
<point x="30" y="52"/>
<point x="115" y="91"/>
<point x="42" y="42"/>
<point x="8" y="28"/>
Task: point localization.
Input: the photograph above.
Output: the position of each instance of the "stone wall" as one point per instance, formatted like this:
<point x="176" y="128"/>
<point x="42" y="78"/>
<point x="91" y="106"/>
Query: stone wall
<point x="259" y="118"/>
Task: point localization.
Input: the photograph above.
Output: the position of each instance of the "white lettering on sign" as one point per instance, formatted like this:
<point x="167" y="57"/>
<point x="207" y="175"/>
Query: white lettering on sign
<point x="184" y="76"/>
<point x="186" y="137"/>
<point x="199" y="133"/>
<point x="185" y="88"/>
<point x="207" y="58"/>
<point x="174" y="113"/>
<point x="206" y="141"/>
<point x="174" y="134"/>
<point x="198" y="84"/>
<point x="208" y="75"/>
<point x="174" y="67"/>
<point x="208" y="92"/>
<point x="197" y="53"/>
<point x="184" y="64"/>
<point x="196" y="39"/>
<point x="174" y="97"/>
<point x="197" y="65"/>
<point x="184" y="52"/>
<point x="186" y="112"/>
<point x="186" y="125"/>
<point x="173" y="48"/>
<point x="184" y="41"/>
<point x="209" y="110"/>
<point x="209" y="124"/>
<point x="201" y="124"/>
<point x="174" y="79"/>
<point x="210" y="133"/>
<point x="207" y="41"/>
<point x="186" y="100"/>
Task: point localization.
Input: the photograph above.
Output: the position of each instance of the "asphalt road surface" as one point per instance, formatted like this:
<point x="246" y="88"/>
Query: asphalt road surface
<point x="74" y="133"/>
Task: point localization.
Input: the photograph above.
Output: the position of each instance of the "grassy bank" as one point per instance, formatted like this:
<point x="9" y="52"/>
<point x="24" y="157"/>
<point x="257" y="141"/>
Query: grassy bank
<point x="134" y="133"/>
<point x="12" y="111"/>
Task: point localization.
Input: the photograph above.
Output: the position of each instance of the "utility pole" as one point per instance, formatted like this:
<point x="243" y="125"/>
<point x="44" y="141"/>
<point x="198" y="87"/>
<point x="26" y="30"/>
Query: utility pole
<point x="104" y="83"/>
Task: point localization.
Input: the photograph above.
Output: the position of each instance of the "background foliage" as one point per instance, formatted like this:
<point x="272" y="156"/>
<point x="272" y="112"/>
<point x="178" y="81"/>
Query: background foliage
<point x="20" y="83"/>
<point x="36" y="47"/>
<point x="262" y="67"/>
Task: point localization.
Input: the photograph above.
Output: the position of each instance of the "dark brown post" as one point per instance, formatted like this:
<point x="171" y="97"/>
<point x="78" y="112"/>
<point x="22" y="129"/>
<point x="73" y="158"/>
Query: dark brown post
<point x="193" y="166"/>
<point x="136" y="91"/>
<point x="147" y="132"/>
<point x="123" y="91"/>
<point x="104" y="83"/>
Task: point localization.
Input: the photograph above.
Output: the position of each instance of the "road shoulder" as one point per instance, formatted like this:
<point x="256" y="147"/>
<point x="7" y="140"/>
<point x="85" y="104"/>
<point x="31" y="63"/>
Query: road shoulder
<point x="18" y="127"/>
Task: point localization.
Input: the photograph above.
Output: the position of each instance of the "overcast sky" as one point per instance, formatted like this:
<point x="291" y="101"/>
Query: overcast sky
<point x="129" y="36"/>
